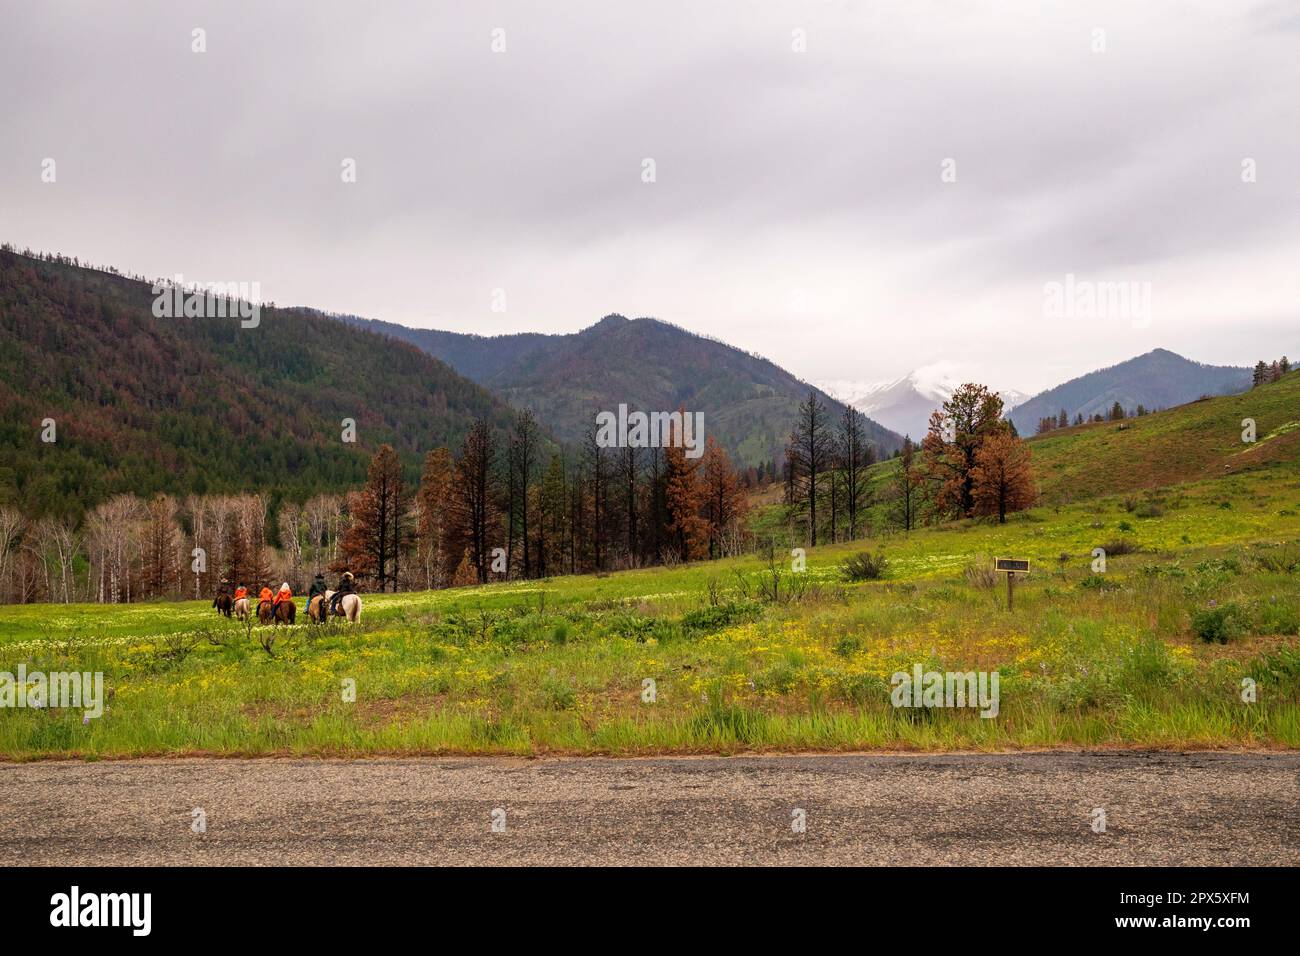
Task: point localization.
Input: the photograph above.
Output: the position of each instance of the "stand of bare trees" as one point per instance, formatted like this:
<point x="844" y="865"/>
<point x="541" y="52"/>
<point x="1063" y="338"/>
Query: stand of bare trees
<point x="130" y="549"/>
<point x="506" y="507"/>
<point x="828" y="465"/>
<point x="503" y="506"/>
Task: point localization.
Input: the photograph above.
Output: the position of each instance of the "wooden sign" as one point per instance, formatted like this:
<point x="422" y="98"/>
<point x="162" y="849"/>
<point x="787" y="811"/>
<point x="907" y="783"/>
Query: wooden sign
<point x="1012" y="567"/>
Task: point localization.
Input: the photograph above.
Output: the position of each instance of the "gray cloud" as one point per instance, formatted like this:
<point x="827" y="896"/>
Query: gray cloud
<point x="782" y="178"/>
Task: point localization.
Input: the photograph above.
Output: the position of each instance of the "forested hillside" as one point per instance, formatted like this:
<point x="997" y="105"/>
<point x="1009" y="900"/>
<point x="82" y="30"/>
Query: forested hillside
<point x="179" y="405"/>
<point x="749" y="403"/>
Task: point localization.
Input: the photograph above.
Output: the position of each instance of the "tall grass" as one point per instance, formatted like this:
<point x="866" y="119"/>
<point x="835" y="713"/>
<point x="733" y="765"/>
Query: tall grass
<point x="562" y="665"/>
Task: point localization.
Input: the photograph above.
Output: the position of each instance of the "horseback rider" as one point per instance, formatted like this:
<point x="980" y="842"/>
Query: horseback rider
<point x="345" y="587"/>
<point x="265" y="597"/>
<point x="284" y="594"/>
<point x="223" y="590"/>
<point x="241" y="592"/>
<point x="317" y="588"/>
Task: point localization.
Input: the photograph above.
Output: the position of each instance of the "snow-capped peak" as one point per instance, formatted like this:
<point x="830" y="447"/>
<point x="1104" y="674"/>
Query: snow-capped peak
<point x="935" y="382"/>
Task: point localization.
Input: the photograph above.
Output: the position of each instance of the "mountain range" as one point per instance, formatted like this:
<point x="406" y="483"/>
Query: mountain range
<point x="749" y="403"/>
<point x="143" y="404"/>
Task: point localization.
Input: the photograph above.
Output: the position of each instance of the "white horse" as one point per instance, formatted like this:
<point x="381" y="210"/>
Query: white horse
<point x="349" y="607"/>
<point x="241" y="608"/>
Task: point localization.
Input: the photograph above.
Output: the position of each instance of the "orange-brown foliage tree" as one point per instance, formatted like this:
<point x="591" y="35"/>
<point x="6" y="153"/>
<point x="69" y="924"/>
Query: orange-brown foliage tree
<point x="1003" y="477"/>
<point x="957" y="430"/>
<point x="687" y="529"/>
<point x="725" y="501"/>
<point x="379" y="530"/>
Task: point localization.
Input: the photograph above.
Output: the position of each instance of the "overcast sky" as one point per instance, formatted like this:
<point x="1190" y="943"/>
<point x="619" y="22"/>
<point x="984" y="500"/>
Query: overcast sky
<point x="798" y="208"/>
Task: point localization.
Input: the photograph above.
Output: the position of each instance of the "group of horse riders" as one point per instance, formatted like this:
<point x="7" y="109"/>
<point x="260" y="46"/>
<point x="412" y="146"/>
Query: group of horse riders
<point x="269" y="603"/>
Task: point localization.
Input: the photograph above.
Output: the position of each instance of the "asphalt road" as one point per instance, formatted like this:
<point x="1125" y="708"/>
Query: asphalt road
<point x="1160" y="808"/>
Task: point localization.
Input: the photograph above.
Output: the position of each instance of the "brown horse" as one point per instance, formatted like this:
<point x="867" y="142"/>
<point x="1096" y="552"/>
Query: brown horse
<point x="223" y="603"/>
<point x="316" y="609"/>
<point x="285" y="612"/>
<point x="265" y="612"/>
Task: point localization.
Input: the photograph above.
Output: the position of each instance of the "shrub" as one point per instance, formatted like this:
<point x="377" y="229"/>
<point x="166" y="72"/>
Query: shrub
<point x="517" y="631"/>
<point x="1174" y="570"/>
<point x="864" y="567"/>
<point x="981" y="575"/>
<point x="1218" y="624"/>
<point x="174" y="648"/>
<point x="1120" y="545"/>
<point x="631" y="626"/>
<point x="558" y="694"/>
<point x="723" y="615"/>
<point x="780" y="678"/>
<point x="1279" y="560"/>
<point x="848" y="645"/>
<point x="1098" y="582"/>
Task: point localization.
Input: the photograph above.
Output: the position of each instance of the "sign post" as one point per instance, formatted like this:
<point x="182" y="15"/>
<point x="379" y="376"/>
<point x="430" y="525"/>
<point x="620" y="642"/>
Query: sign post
<point x="1012" y="566"/>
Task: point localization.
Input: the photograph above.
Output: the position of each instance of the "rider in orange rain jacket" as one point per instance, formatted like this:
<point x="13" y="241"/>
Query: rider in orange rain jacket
<point x="241" y="592"/>
<point x="284" y="594"/>
<point x="265" y="595"/>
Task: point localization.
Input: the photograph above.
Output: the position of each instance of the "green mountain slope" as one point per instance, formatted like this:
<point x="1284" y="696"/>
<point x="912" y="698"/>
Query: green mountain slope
<point x="749" y="403"/>
<point x="1193" y="442"/>
<point x="1199" y="440"/>
<point x="143" y="404"/>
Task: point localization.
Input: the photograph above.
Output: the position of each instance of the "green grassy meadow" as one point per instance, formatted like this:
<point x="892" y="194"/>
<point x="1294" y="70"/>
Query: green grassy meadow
<point x="559" y="665"/>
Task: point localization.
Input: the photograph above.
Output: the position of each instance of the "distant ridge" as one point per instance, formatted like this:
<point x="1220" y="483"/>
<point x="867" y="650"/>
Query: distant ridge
<point x="1158" y="379"/>
<point x="749" y="403"/>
